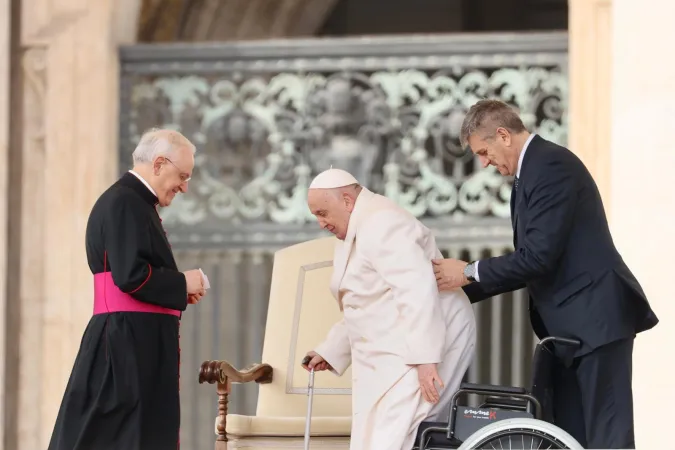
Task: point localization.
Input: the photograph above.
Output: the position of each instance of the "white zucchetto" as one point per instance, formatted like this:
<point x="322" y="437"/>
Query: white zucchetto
<point x="332" y="179"/>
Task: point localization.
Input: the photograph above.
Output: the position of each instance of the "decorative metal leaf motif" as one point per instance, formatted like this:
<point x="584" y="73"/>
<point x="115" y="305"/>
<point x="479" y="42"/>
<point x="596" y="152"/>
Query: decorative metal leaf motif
<point x="262" y="137"/>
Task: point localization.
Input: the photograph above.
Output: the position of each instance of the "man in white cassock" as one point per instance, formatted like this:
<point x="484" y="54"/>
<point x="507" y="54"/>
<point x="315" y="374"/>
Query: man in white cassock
<point x="409" y="345"/>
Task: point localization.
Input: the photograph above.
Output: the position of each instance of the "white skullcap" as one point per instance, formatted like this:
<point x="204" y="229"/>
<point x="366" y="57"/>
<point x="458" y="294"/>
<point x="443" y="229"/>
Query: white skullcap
<point x="332" y="178"/>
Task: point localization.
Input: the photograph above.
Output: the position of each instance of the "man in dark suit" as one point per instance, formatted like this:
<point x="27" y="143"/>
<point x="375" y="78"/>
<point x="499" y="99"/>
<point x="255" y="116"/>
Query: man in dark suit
<point x="578" y="283"/>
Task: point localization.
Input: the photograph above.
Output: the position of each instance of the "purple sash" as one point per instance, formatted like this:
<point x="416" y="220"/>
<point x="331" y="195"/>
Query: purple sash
<point x="108" y="298"/>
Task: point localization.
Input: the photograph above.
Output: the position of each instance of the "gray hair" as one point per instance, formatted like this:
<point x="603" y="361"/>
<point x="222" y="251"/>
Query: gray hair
<point x="485" y="116"/>
<point x="159" y="142"/>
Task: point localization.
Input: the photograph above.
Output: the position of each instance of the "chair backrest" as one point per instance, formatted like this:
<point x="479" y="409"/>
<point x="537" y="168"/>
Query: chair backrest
<point x="301" y="312"/>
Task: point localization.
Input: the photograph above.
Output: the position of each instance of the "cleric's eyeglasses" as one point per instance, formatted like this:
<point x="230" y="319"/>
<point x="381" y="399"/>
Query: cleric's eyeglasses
<point x="184" y="177"/>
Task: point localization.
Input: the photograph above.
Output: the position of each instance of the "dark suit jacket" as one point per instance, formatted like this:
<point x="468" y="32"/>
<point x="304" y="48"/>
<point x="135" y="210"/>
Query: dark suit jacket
<point x="578" y="283"/>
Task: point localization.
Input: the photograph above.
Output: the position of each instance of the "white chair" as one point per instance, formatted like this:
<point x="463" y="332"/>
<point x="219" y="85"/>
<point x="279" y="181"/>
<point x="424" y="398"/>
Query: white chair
<point x="301" y="312"/>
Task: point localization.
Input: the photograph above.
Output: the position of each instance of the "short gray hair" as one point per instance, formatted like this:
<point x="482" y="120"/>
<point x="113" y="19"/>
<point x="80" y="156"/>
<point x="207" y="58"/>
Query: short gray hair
<point x="159" y="142"/>
<point x="485" y="116"/>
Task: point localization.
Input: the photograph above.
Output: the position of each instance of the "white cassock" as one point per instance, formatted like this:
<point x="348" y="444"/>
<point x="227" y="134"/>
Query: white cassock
<point x="393" y="319"/>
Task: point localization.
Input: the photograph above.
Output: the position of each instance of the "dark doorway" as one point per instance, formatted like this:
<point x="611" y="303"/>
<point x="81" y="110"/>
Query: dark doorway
<point x="372" y="17"/>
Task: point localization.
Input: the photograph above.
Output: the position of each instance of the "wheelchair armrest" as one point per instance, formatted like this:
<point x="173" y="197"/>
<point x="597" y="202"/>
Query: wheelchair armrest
<point x="493" y="389"/>
<point x="561" y="341"/>
<point x="505" y="403"/>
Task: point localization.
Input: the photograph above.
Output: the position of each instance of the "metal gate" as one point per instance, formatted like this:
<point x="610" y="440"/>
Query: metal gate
<point x="267" y="116"/>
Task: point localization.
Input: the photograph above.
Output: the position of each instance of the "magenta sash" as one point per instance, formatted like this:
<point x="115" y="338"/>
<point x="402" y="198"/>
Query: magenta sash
<point x="108" y="298"/>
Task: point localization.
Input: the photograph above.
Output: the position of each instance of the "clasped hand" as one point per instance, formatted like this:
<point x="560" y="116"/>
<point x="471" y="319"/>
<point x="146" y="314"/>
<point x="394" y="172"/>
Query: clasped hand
<point x="449" y="273"/>
<point x="195" y="285"/>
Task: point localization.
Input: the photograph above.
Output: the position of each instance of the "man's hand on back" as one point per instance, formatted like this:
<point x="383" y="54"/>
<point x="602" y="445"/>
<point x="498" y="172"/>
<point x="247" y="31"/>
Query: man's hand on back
<point x="428" y="376"/>
<point x="449" y="273"/>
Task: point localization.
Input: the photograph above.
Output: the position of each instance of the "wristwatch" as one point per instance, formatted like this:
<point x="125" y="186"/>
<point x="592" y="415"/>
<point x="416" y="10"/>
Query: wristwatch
<point x="470" y="271"/>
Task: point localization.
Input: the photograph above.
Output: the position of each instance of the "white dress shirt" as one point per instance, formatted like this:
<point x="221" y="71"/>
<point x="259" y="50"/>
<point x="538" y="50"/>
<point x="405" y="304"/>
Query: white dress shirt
<point x="520" y="163"/>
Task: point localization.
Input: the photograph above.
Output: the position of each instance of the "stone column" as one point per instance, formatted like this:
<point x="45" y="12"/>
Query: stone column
<point x="622" y="108"/>
<point x="590" y="56"/>
<point x="643" y="204"/>
<point x="5" y="62"/>
<point x="69" y="153"/>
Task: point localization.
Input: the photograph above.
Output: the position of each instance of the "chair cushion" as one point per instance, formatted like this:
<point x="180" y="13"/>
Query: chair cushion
<point x="243" y="426"/>
<point x="283" y="443"/>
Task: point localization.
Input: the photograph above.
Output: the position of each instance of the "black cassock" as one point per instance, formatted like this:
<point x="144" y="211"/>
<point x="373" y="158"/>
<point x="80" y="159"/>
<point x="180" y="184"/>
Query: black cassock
<point x="123" y="391"/>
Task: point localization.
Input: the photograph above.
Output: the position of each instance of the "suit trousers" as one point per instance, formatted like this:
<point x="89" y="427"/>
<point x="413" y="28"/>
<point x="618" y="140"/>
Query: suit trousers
<point x="593" y="398"/>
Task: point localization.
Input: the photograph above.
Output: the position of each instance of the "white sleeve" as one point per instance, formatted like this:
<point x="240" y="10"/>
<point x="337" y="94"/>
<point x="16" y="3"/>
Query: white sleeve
<point x="336" y="348"/>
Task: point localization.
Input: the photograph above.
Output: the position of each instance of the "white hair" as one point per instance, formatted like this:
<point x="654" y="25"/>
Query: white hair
<point x="159" y="142"/>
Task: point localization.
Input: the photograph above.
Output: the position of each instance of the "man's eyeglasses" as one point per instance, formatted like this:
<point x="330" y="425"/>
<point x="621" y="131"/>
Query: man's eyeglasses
<point x="184" y="177"/>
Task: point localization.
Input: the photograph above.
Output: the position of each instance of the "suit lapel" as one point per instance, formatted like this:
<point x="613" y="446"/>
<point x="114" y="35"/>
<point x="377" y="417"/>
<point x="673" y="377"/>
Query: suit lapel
<point x="513" y="207"/>
<point x="517" y="194"/>
<point x="515" y="201"/>
<point x="343" y="250"/>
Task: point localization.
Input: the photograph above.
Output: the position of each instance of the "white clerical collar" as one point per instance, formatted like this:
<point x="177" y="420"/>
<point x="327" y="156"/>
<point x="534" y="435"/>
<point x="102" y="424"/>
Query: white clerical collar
<point x="147" y="185"/>
<point x="522" y="153"/>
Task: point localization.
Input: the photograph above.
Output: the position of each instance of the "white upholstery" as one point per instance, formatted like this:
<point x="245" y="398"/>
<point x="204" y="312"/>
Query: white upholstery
<point x="301" y="311"/>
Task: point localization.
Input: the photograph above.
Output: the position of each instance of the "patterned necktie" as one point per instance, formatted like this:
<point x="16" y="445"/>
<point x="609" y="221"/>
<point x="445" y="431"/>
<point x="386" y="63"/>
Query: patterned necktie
<point x="515" y="183"/>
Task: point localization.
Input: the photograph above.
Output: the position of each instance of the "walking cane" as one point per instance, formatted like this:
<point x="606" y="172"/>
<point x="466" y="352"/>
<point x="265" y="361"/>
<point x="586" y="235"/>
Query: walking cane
<point x="310" y="398"/>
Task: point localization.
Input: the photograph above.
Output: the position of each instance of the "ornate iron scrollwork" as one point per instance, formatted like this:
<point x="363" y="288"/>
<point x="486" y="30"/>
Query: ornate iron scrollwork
<point x="262" y="136"/>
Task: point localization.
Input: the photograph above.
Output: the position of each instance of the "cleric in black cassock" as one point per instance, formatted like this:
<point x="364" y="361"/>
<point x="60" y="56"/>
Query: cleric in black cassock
<point x="123" y="391"/>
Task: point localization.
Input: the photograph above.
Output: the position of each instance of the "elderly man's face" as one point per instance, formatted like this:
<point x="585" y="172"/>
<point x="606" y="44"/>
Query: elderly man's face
<point x="496" y="151"/>
<point x="332" y="209"/>
<point x="173" y="174"/>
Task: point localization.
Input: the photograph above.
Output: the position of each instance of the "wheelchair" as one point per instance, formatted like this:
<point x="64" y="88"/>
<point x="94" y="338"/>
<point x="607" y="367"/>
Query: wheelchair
<point x="509" y="418"/>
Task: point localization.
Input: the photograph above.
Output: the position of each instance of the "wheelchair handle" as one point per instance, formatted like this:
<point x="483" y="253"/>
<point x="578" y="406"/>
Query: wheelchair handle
<point x="561" y="340"/>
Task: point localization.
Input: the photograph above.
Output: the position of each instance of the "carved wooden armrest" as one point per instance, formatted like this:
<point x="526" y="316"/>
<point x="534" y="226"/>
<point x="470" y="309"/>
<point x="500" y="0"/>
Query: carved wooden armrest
<point x="224" y="374"/>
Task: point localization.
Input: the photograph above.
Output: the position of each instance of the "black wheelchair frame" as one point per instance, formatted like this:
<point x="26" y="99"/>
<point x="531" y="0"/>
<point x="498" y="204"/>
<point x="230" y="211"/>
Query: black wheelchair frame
<point x="502" y="402"/>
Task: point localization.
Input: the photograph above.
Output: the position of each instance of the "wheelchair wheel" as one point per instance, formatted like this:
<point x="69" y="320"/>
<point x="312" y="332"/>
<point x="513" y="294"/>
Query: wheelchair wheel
<point x="522" y="433"/>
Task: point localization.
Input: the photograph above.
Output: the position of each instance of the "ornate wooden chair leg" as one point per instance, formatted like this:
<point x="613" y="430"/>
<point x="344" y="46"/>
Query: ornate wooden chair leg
<point x="223" y="374"/>
<point x="223" y="390"/>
